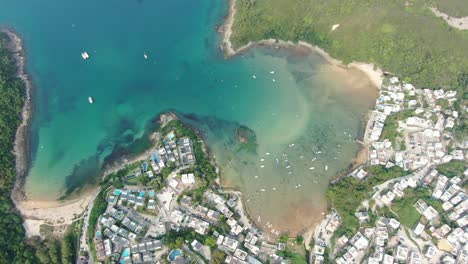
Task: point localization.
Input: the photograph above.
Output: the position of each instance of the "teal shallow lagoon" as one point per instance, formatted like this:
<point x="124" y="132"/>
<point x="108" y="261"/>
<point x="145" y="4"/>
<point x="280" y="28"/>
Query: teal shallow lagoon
<point x="306" y="102"/>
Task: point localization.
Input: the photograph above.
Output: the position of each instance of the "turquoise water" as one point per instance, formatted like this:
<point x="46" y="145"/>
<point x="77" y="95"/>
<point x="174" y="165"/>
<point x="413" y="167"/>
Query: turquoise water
<point x="306" y="102"/>
<point x="174" y="254"/>
<point x="126" y="253"/>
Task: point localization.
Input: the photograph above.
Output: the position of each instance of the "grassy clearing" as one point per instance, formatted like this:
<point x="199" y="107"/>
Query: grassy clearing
<point x="390" y="129"/>
<point x="453" y="168"/>
<point x="407" y="213"/>
<point x="405" y="39"/>
<point x="404" y="207"/>
<point x="454" y="8"/>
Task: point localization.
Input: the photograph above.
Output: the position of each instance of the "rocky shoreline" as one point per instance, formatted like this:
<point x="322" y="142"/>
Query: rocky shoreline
<point x="21" y="146"/>
<point x="374" y="74"/>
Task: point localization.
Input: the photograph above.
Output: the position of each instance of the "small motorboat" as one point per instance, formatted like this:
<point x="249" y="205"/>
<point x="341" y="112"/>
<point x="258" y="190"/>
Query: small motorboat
<point x="85" y="55"/>
<point x="91" y="100"/>
<point x="145" y="56"/>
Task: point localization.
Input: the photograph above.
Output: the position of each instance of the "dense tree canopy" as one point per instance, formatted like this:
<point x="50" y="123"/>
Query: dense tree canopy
<point x="13" y="249"/>
<point x="405" y="39"/>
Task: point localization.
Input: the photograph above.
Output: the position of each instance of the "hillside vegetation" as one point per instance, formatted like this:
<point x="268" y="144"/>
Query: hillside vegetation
<point x="453" y="8"/>
<point x="402" y="37"/>
<point x="12" y="245"/>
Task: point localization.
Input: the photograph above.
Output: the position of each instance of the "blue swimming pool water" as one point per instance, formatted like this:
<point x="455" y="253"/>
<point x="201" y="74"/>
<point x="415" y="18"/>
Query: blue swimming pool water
<point x="126" y="253"/>
<point x="174" y="254"/>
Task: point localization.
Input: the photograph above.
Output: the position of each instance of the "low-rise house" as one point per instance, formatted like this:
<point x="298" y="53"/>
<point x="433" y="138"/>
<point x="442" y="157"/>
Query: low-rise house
<point x="430" y="252"/>
<point x="240" y="254"/>
<point x="414" y="258"/>
<point x="430" y="213"/>
<point x="319" y="250"/>
<point x="360" y="241"/>
<point x="362" y="216"/>
<point x="418" y="229"/>
<point x="188" y="179"/>
<point x="394" y="224"/>
<point x="388" y="259"/>
<point x="151" y="204"/>
<point x="197" y="246"/>
<point x="401" y="253"/>
<point x="230" y="244"/>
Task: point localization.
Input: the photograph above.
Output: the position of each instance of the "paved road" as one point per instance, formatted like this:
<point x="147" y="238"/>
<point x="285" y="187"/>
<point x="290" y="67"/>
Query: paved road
<point x="83" y="241"/>
<point x="193" y="255"/>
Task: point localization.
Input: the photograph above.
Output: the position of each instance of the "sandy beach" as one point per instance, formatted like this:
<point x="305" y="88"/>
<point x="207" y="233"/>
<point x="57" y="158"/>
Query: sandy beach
<point x="35" y="213"/>
<point x="51" y="212"/>
<point x="61" y="213"/>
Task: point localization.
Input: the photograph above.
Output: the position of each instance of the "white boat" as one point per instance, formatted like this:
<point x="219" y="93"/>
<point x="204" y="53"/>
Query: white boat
<point x="263" y="166"/>
<point x="85" y="55"/>
<point x="253" y="76"/>
<point x="326" y="168"/>
<point x="90" y="100"/>
<point x="272" y="72"/>
<point x="145" y="56"/>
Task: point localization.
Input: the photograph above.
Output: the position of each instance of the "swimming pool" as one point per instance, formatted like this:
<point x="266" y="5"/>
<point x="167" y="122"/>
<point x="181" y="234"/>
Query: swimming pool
<point x="126" y="253"/>
<point x="174" y="254"/>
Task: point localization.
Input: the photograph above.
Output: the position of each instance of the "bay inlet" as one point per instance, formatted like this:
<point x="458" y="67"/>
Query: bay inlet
<point x="302" y="112"/>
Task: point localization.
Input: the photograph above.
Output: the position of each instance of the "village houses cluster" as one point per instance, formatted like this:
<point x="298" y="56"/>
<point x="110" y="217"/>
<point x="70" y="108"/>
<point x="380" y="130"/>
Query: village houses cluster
<point x="137" y="219"/>
<point x="424" y="140"/>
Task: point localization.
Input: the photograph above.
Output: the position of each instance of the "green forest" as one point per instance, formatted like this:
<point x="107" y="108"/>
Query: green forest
<point x="402" y="37"/>
<point x="12" y="245"/>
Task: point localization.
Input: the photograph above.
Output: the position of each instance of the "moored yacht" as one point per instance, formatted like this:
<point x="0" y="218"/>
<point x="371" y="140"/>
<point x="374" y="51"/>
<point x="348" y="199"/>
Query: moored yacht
<point x="85" y="55"/>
